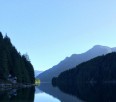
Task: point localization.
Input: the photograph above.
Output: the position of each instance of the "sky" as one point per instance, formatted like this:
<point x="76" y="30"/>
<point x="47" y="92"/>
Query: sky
<point x="50" y="30"/>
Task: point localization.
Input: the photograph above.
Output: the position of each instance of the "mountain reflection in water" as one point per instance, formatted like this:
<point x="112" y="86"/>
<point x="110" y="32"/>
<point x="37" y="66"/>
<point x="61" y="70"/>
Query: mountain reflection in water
<point x="86" y="92"/>
<point x="92" y="92"/>
<point x="56" y="93"/>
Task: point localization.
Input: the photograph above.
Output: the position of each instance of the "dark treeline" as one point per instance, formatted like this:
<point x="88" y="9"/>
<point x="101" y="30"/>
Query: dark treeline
<point x="90" y="78"/>
<point x="14" y="67"/>
<point x="99" y="69"/>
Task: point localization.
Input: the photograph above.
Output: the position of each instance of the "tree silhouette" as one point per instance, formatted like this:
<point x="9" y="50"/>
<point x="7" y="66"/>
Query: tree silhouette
<point x="13" y="64"/>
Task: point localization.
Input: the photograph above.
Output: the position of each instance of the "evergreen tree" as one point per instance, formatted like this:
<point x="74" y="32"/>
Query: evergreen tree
<point x="12" y="64"/>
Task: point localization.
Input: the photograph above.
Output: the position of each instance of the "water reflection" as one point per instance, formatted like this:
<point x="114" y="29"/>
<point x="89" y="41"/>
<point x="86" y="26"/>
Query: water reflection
<point x="14" y="95"/>
<point x="57" y="94"/>
<point x="83" y="92"/>
<point x="103" y="92"/>
<point x="44" y="97"/>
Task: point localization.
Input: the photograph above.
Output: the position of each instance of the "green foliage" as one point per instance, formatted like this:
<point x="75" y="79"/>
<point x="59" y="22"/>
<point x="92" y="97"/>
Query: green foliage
<point x="13" y="63"/>
<point x="37" y="82"/>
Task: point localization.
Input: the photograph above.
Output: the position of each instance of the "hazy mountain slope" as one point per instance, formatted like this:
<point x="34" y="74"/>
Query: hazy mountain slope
<point x="74" y="60"/>
<point x="36" y="72"/>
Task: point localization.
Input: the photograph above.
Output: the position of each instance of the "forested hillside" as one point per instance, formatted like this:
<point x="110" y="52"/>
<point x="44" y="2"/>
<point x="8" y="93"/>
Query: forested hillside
<point x="91" y="81"/>
<point x="98" y="70"/>
<point x="73" y="61"/>
<point x="14" y="67"/>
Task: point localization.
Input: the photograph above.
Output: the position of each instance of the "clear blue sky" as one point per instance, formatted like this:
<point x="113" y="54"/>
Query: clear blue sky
<point x="50" y="30"/>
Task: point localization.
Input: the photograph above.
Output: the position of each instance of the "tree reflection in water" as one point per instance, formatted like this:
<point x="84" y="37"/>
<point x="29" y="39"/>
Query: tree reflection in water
<point x="21" y="95"/>
<point x="103" y="92"/>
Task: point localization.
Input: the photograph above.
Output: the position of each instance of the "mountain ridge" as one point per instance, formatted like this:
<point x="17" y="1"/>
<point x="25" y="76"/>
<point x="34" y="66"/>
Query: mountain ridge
<point x="74" y="60"/>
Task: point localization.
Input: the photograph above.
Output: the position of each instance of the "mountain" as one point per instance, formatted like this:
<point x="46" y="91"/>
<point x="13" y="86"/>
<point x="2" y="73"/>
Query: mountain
<point x="74" y="60"/>
<point x="37" y="72"/>
<point x="91" y="81"/>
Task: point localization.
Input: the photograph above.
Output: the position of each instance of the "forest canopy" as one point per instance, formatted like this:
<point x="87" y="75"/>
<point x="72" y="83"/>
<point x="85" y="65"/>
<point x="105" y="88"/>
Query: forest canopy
<point x="14" y="67"/>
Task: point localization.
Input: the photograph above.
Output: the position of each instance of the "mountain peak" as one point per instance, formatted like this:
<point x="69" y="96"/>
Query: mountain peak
<point x="74" y="60"/>
<point x="100" y="46"/>
<point x="99" y="49"/>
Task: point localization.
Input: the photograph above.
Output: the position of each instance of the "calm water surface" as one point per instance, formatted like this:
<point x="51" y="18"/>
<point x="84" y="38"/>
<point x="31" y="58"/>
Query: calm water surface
<point x="48" y="93"/>
<point x="43" y="97"/>
<point x="84" y="92"/>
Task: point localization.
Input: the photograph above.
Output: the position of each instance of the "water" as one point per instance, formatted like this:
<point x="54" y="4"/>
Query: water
<point x="47" y="93"/>
<point x="53" y="94"/>
<point x="17" y="95"/>
<point x="43" y="97"/>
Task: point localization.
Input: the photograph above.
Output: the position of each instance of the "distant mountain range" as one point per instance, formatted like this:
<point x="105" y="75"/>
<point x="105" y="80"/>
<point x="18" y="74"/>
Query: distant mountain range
<point x="37" y="72"/>
<point x="73" y="61"/>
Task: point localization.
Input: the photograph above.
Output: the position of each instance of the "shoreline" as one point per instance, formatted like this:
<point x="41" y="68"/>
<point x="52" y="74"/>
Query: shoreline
<point x="7" y="86"/>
